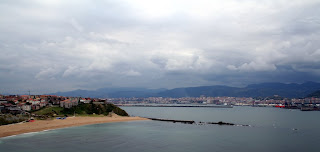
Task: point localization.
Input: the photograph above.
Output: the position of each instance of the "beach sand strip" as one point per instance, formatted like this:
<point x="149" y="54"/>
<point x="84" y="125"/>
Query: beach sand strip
<point x="41" y="125"/>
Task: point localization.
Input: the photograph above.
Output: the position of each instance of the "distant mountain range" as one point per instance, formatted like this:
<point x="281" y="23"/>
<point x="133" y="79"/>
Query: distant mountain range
<point x="315" y="94"/>
<point x="292" y="90"/>
<point x="112" y="93"/>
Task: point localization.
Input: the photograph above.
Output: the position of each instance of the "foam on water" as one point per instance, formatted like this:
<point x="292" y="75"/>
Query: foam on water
<point x="28" y="134"/>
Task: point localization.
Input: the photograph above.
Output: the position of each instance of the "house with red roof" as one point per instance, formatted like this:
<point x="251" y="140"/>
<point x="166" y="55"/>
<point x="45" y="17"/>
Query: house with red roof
<point x="70" y="102"/>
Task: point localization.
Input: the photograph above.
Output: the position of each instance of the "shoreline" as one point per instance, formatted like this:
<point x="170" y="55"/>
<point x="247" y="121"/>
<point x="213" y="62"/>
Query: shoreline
<point x="44" y="125"/>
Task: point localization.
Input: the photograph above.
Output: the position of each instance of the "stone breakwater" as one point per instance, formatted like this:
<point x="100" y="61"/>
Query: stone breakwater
<point x="199" y="123"/>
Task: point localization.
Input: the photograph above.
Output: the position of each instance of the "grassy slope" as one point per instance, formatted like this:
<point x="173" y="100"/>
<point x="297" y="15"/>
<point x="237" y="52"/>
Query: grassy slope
<point x="49" y="110"/>
<point x="82" y="110"/>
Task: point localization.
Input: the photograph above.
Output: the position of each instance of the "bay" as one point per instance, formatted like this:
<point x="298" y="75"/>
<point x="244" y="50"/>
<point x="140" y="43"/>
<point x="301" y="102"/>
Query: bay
<point x="271" y="129"/>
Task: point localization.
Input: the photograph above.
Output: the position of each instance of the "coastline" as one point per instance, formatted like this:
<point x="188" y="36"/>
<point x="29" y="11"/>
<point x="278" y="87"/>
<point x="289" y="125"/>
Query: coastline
<point x="42" y="125"/>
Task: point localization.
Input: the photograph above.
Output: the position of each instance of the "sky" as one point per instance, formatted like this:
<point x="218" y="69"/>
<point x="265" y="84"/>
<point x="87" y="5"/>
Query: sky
<point x="57" y="45"/>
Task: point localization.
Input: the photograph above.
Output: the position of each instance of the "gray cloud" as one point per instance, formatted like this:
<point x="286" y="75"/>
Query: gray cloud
<point x="49" y="46"/>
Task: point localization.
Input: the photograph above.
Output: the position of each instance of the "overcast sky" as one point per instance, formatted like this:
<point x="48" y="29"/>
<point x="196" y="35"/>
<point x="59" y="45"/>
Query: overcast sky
<point x="51" y="45"/>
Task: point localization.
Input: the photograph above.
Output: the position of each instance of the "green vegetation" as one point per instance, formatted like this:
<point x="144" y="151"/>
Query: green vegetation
<point x="9" y="119"/>
<point x="49" y="111"/>
<point x="84" y="109"/>
<point x="99" y="109"/>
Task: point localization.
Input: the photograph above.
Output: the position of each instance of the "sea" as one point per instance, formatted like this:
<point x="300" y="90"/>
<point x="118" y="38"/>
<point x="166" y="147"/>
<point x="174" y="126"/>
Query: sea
<point x="269" y="130"/>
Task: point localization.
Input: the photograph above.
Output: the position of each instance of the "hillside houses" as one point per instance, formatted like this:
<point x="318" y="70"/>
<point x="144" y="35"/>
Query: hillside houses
<point x="85" y="100"/>
<point x="3" y="101"/>
<point x="19" y="103"/>
<point x="68" y="103"/>
<point x="25" y="107"/>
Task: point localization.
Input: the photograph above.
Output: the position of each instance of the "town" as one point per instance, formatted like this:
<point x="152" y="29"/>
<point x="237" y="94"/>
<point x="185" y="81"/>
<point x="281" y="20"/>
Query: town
<point x="20" y="104"/>
<point x="17" y="104"/>
<point x="305" y="104"/>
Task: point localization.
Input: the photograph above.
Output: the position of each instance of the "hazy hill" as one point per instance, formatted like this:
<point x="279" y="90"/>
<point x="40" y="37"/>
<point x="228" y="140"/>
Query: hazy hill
<point x="315" y="94"/>
<point x="292" y="90"/>
<point x="112" y="93"/>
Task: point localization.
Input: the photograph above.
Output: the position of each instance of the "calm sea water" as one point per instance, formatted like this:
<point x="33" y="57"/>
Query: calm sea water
<point x="271" y="129"/>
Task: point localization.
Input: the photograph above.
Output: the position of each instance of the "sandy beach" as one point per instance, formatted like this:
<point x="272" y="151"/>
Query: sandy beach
<point x="41" y="125"/>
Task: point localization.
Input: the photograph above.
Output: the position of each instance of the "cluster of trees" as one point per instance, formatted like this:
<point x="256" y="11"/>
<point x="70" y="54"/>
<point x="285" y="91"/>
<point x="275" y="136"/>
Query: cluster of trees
<point x="9" y="119"/>
<point x="90" y="108"/>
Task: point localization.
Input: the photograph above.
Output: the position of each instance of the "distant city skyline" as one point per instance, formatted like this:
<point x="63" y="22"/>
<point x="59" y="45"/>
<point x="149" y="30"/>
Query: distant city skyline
<point x="55" y="45"/>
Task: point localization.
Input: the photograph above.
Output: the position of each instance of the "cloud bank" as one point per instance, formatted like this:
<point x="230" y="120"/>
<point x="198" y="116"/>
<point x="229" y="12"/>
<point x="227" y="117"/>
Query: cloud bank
<point x="53" y="45"/>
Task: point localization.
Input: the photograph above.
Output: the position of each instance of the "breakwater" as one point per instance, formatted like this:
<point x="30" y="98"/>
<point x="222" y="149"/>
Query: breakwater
<point x="199" y="123"/>
<point x="174" y="121"/>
